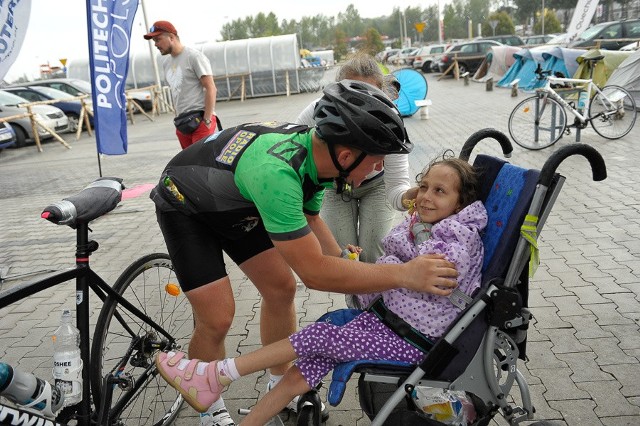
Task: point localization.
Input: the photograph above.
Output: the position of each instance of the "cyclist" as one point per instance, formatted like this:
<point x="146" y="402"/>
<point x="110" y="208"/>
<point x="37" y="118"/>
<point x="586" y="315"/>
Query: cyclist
<point x="254" y="191"/>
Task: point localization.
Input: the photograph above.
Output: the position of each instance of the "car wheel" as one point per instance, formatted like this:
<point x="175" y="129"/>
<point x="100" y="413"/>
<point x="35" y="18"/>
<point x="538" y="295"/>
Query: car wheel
<point x="462" y="68"/>
<point x="21" y="136"/>
<point x="74" y="121"/>
<point x="426" y="67"/>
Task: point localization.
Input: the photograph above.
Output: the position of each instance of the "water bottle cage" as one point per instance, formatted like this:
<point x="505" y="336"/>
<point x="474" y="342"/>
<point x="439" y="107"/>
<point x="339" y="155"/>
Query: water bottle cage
<point x="46" y="397"/>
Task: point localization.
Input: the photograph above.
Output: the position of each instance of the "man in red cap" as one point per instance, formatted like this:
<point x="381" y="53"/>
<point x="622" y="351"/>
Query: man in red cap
<point x="188" y="73"/>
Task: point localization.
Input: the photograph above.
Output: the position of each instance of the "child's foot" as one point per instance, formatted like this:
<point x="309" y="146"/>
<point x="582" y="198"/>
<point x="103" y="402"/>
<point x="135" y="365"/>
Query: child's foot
<point x="197" y="381"/>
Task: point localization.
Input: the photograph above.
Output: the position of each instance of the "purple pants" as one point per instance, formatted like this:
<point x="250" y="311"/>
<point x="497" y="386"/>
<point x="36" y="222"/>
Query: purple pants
<point x="321" y="346"/>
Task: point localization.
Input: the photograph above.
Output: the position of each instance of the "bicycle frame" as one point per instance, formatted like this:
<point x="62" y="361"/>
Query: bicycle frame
<point x="85" y="279"/>
<point x="590" y="88"/>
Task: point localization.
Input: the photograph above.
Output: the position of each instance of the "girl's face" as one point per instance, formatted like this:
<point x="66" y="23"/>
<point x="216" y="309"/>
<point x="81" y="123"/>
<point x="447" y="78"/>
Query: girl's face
<point x="438" y="194"/>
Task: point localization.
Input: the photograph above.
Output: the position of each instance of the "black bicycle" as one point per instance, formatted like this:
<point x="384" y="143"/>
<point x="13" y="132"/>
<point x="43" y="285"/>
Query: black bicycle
<point x="143" y="313"/>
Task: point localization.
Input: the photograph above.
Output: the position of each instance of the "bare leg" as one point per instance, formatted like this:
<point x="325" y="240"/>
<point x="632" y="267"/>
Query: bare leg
<point x="211" y="325"/>
<point x="274" y="280"/>
<point x="291" y="385"/>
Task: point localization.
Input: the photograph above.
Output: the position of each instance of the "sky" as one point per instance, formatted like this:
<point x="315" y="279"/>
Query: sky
<point x="57" y="29"/>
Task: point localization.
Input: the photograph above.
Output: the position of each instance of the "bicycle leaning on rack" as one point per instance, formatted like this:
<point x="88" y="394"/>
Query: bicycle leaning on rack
<point x="143" y="313"/>
<point x="541" y="120"/>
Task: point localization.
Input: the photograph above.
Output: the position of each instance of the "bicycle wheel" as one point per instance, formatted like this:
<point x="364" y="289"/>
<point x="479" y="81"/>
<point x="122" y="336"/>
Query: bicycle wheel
<point x="125" y="345"/>
<point x="612" y="112"/>
<point x="537" y="122"/>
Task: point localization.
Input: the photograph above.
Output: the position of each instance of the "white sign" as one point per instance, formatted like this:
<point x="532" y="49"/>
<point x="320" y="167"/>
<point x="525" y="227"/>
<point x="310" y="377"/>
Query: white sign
<point x="581" y="17"/>
<point x="14" y="19"/>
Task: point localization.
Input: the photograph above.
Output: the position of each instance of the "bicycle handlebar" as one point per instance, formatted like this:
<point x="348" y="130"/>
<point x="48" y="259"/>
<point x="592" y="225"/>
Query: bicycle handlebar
<point x="97" y="199"/>
<point x="598" y="167"/>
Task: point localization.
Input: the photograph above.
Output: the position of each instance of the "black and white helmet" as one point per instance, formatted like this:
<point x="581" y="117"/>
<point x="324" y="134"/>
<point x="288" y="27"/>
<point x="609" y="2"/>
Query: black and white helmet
<point x="356" y="114"/>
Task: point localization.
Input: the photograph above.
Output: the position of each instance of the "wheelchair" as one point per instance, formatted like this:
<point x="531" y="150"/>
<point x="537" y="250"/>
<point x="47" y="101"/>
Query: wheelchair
<point x="479" y="352"/>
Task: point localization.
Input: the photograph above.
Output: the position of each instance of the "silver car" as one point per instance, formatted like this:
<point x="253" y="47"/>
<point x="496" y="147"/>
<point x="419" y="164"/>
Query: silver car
<point x="48" y="115"/>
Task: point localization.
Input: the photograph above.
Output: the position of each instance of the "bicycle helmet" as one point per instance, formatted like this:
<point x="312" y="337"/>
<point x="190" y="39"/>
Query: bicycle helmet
<point x="356" y="114"/>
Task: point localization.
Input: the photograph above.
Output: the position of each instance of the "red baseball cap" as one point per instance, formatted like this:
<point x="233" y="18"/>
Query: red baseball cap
<point x="160" y="27"/>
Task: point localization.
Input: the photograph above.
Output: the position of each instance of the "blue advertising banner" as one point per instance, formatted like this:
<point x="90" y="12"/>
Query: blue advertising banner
<point x="14" y="19"/>
<point x="109" y="23"/>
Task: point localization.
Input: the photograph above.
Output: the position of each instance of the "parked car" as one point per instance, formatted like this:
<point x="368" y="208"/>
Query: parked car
<point x="7" y="135"/>
<point x="425" y="56"/>
<point x="608" y="33"/>
<point x="384" y="55"/>
<point x="77" y="87"/>
<point x="470" y="55"/>
<point x="508" y="39"/>
<point x="537" y="39"/>
<point x="403" y="57"/>
<point x="71" y="107"/>
<point x="48" y="115"/>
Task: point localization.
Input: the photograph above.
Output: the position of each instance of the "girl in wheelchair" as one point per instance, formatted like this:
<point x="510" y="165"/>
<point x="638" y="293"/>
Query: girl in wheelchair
<point x="399" y="324"/>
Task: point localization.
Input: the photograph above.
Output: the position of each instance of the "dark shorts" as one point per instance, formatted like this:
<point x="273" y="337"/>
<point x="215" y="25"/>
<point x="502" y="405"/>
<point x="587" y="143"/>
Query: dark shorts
<point x="195" y="243"/>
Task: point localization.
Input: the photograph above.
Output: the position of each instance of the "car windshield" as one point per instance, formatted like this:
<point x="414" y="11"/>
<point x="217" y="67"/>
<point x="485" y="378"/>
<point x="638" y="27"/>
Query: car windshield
<point x="590" y="32"/>
<point x="52" y="93"/>
<point x="9" y="99"/>
<point x="85" y="86"/>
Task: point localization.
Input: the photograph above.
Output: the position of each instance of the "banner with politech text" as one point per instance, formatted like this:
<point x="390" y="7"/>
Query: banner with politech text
<point x="14" y="20"/>
<point x="109" y="23"/>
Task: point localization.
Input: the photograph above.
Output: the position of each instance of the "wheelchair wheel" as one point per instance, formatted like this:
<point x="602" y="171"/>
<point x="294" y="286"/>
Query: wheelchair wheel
<point x="612" y="112"/>
<point x="307" y="416"/>
<point x="125" y="345"/>
<point x="537" y="122"/>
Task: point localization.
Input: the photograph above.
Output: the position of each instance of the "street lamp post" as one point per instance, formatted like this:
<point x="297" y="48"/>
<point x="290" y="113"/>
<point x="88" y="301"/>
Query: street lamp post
<point x="543" y="17"/>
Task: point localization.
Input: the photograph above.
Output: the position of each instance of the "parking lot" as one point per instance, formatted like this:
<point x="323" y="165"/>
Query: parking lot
<point x="584" y="345"/>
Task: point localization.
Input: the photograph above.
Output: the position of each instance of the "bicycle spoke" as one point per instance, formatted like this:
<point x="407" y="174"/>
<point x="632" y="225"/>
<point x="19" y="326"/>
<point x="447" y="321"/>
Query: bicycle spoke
<point x="612" y="112"/>
<point x="146" y="399"/>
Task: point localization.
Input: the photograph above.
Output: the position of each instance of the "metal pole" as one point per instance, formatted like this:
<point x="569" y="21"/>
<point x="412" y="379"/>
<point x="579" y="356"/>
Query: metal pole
<point x="543" y="17"/>
<point x="152" y="56"/>
<point x="439" y="24"/>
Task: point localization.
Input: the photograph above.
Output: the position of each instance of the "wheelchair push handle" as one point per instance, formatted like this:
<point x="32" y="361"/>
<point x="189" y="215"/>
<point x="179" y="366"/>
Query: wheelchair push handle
<point x="598" y="167"/>
<point x="473" y="140"/>
<point x="97" y="199"/>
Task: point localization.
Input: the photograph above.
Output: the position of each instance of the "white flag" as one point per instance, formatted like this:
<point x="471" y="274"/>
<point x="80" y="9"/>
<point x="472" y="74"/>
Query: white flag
<point x="581" y="17"/>
<point x="14" y="19"/>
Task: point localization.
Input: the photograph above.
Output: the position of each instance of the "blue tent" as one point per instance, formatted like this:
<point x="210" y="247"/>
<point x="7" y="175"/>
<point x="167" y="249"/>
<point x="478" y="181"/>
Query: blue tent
<point x="413" y="87"/>
<point x="558" y="59"/>
<point x="523" y="68"/>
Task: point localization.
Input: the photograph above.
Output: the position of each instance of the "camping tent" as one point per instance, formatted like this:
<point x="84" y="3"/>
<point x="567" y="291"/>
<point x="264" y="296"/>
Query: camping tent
<point x="627" y="75"/>
<point x="523" y="69"/>
<point x="496" y="63"/>
<point x="604" y="68"/>
<point x="413" y="87"/>
<point x="558" y="60"/>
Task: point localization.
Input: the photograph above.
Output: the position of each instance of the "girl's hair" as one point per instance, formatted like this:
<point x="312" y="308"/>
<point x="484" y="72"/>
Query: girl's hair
<point x="466" y="172"/>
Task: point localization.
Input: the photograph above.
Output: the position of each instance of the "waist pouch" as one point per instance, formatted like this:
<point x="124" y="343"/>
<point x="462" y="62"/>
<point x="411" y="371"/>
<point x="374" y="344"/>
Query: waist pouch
<point x="188" y="122"/>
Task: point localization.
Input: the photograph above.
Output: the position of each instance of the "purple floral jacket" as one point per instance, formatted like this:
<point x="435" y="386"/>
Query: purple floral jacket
<point x="458" y="238"/>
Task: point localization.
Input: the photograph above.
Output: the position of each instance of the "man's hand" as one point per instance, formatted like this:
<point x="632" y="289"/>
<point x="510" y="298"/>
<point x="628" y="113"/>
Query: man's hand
<point x="431" y="273"/>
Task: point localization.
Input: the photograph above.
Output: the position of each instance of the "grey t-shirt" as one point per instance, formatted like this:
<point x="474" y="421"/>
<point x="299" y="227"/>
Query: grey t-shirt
<point x="183" y="73"/>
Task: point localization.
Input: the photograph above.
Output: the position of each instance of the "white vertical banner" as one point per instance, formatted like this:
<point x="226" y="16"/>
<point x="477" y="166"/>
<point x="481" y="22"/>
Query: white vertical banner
<point x="14" y="20"/>
<point x="585" y="9"/>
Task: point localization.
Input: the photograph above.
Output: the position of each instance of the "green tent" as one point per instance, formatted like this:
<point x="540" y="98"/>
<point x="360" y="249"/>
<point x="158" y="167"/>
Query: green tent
<point x="604" y="68"/>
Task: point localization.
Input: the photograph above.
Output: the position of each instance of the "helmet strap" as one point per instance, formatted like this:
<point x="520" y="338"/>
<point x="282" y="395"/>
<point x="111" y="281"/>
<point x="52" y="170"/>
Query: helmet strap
<point x="341" y="180"/>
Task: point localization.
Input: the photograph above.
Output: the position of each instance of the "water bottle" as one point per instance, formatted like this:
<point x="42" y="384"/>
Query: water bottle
<point x="583" y="98"/>
<point x="29" y="391"/>
<point x="67" y="364"/>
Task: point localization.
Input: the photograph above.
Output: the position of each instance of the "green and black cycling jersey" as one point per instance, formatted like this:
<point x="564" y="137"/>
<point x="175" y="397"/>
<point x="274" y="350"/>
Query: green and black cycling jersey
<point x="267" y="165"/>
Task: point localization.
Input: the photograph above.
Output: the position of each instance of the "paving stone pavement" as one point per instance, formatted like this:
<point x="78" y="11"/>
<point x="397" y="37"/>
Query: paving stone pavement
<point x="584" y="344"/>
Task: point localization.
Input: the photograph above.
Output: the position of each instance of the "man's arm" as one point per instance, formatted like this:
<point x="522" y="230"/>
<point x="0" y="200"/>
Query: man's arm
<point x="431" y="273"/>
<point x="327" y="241"/>
<point x="210" y="93"/>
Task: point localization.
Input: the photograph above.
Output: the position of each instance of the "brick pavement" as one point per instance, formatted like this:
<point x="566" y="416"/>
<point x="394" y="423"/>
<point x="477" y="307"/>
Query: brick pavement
<point x="584" y="346"/>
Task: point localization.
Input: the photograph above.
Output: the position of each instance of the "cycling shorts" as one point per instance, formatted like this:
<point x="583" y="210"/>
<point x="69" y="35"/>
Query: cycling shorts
<point x="196" y="242"/>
